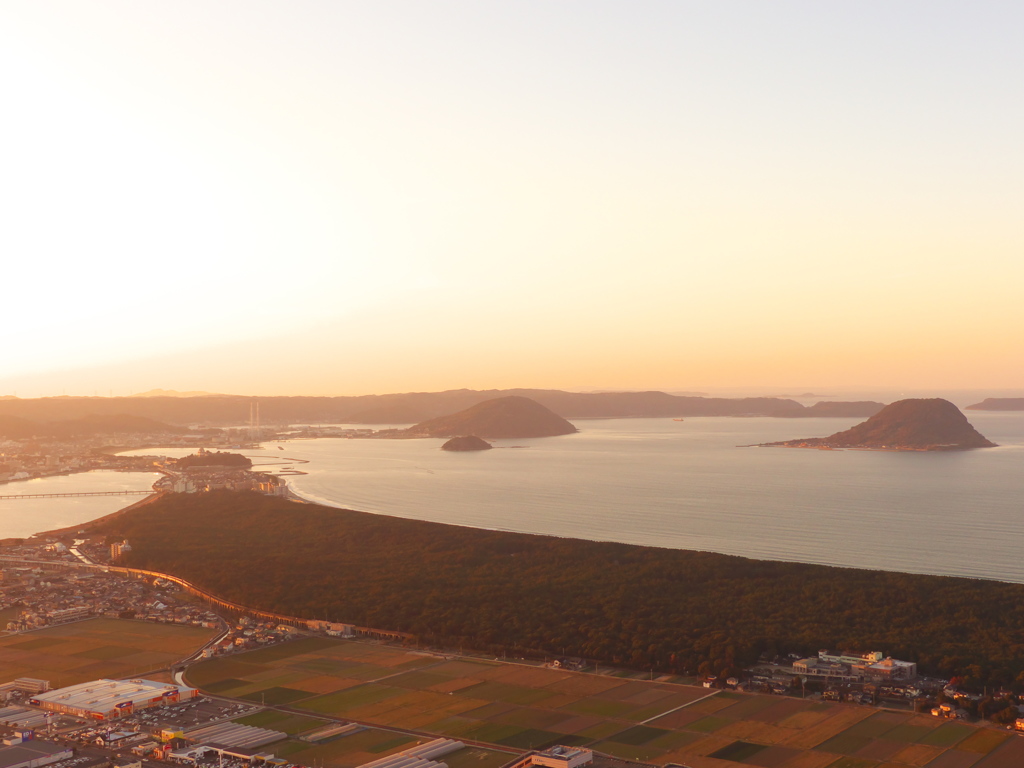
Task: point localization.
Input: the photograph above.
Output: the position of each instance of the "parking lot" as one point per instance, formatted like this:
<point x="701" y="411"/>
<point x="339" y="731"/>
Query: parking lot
<point x="151" y="721"/>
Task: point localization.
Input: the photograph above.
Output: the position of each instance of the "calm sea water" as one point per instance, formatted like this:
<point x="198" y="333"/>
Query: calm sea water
<point x="664" y="483"/>
<point x="24" y="517"/>
<point x="687" y="485"/>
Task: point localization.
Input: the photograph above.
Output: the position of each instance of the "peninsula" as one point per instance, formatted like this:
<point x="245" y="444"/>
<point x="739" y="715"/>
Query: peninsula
<point x="497" y="591"/>
<point x="931" y="424"/>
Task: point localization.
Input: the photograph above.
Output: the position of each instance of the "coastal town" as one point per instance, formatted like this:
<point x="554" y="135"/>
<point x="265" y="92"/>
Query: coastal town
<point x="78" y="577"/>
<point x="53" y="582"/>
<point x="35" y="457"/>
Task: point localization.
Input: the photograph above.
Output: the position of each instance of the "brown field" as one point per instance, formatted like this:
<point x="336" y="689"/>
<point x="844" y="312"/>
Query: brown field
<point x="517" y="707"/>
<point x="917" y="754"/>
<point x="86" y="650"/>
<point x="839" y="720"/>
<point x="809" y="760"/>
<point x="1009" y="754"/>
<point x="983" y="741"/>
<point x="759" y="733"/>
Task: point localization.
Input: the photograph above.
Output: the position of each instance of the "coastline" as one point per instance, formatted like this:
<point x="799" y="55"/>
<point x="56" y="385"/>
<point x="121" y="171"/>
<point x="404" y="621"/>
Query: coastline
<point x="99" y="520"/>
<point x="294" y="496"/>
<point x="666" y="499"/>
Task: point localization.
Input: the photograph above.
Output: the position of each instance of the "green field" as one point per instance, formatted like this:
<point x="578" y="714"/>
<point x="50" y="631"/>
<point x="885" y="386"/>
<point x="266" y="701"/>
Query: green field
<point x="520" y="707"/>
<point x="282" y="721"/>
<point x="96" y="648"/>
<point x="372" y="744"/>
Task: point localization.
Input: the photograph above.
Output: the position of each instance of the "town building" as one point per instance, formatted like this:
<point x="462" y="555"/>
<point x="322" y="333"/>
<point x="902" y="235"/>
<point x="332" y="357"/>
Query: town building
<point x="67" y="615"/>
<point x="563" y="757"/>
<point x="31" y="753"/>
<point x="334" y="629"/>
<point x="851" y="659"/>
<point x="111" y="699"/>
<point x="26" y="685"/>
<point x="856" y="667"/>
<point x="556" y="757"/>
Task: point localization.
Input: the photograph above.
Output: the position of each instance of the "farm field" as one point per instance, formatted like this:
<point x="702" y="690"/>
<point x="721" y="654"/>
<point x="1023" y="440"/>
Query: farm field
<point x="521" y="707"/>
<point x="354" y="749"/>
<point x="6" y="615"/>
<point x="96" y="648"/>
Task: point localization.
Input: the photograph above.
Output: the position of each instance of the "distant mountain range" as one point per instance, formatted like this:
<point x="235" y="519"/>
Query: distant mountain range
<point x="998" y="404"/>
<point x="930" y="424"/>
<point x="414" y="407"/>
<point x="175" y="393"/>
<point x="16" y="428"/>
<point x="850" y="410"/>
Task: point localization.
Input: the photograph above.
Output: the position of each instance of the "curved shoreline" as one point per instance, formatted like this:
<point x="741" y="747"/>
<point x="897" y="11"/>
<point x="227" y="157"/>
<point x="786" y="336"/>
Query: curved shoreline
<point x="105" y="518"/>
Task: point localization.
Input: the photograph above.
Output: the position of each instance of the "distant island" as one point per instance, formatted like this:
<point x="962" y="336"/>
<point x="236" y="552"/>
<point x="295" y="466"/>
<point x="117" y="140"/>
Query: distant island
<point x="998" y="404"/>
<point x="511" y="416"/>
<point x="466" y="443"/>
<point x="931" y="424"/>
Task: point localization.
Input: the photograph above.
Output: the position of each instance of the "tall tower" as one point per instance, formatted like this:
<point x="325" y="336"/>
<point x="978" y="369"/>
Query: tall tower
<point x="254" y="420"/>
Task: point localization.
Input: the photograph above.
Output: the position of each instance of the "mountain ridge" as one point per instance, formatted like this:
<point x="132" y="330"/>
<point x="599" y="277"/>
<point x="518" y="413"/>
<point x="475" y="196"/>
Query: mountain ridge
<point x="399" y="408"/>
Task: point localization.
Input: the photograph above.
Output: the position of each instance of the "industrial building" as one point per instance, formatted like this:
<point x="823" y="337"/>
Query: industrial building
<point x="420" y="756"/>
<point x="32" y="754"/>
<point x="26" y="685"/>
<point x="873" y="666"/>
<point x="111" y="699"/>
<point x="556" y="757"/>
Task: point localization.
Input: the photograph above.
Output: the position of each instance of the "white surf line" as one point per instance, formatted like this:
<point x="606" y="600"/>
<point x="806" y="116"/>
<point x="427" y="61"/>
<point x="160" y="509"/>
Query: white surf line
<point x="681" y="706"/>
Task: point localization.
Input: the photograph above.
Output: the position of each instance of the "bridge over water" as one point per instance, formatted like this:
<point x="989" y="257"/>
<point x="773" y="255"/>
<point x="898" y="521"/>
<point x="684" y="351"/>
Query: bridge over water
<point x="85" y="493"/>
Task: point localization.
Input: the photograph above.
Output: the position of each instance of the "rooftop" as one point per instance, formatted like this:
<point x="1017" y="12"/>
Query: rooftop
<point x="28" y="750"/>
<point x="104" y="695"/>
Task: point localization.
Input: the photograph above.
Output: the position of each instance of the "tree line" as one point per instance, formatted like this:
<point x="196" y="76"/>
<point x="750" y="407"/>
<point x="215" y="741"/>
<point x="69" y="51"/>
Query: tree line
<point x="669" y="610"/>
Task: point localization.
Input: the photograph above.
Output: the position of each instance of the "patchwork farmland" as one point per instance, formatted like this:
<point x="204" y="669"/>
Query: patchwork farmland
<point x="518" y="707"/>
<point x="97" y="648"/>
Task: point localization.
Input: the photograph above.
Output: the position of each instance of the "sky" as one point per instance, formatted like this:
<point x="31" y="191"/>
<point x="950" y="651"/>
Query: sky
<point x="340" y="197"/>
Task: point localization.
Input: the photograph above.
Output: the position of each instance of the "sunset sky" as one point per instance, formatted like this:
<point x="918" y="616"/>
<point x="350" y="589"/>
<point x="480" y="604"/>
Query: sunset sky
<point x="313" y="197"/>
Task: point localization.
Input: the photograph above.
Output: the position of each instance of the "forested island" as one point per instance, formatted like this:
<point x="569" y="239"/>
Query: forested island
<point x="510" y="416"/>
<point x="466" y="443"/>
<point x="915" y="424"/>
<point x="644" y="607"/>
<point x="214" y="459"/>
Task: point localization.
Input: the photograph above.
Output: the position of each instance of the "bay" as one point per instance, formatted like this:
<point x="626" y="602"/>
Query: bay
<point x="658" y="482"/>
<point x="20" y="518"/>
<point x="686" y="485"/>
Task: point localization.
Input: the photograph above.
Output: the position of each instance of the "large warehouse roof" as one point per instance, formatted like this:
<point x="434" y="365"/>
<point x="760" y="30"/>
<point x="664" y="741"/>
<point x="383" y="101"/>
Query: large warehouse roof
<point x="38" y="752"/>
<point x="105" y="695"/>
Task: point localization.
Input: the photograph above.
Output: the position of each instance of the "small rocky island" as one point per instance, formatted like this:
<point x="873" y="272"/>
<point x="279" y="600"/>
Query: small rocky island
<point x="511" y="416"/>
<point x="466" y="443"/>
<point x="931" y="424"/>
